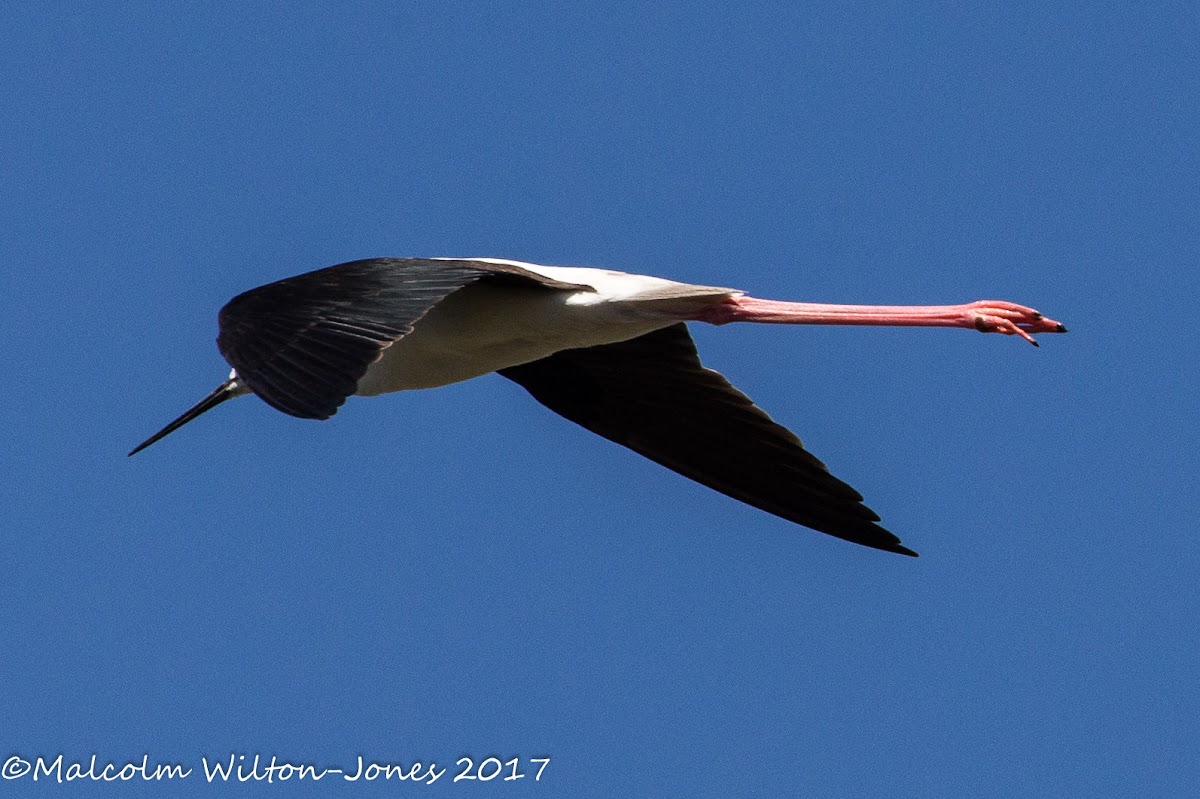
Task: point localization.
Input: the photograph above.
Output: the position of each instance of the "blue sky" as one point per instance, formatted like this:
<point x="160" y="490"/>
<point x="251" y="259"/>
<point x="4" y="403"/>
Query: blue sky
<point x="459" y="573"/>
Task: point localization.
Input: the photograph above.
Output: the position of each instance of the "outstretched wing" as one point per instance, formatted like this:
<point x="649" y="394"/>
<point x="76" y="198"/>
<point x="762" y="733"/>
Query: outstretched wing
<point x="651" y="394"/>
<point x="303" y="343"/>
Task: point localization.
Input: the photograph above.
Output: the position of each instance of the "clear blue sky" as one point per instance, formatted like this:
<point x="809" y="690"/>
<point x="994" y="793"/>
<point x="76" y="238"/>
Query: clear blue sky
<point x="460" y="572"/>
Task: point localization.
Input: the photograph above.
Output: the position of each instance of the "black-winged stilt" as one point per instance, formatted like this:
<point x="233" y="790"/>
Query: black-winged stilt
<point x="607" y="350"/>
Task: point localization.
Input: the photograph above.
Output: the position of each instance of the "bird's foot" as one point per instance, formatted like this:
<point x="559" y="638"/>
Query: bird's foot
<point x="997" y="316"/>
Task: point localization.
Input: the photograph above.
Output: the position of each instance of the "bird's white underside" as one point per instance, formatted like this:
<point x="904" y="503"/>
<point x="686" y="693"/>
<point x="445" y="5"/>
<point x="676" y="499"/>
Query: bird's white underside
<point x="485" y="327"/>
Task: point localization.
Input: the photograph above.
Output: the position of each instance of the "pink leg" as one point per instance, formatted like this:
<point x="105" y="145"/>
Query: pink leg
<point x="986" y="316"/>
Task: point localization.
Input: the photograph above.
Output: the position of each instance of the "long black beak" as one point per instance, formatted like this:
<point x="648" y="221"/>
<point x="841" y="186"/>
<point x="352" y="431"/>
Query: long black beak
<point x="228" y="390"/>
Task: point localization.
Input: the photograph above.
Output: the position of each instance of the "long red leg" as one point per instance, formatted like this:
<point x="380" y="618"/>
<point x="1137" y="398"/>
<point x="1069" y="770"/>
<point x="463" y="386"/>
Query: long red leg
<point x="986" y="316"/>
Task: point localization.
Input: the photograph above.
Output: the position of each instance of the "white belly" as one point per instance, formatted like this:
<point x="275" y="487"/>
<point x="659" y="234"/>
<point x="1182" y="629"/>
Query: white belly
<point x="485" y="327"/>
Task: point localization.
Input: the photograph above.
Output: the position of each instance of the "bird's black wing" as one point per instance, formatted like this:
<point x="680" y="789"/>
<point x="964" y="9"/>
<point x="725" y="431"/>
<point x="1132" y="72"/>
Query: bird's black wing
<point x="303" y="343"/>
<point x="651" y="394"/>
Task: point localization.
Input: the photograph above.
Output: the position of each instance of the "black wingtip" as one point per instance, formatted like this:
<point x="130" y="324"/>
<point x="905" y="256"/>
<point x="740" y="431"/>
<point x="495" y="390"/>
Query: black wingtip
<point x="1061" y="328"/>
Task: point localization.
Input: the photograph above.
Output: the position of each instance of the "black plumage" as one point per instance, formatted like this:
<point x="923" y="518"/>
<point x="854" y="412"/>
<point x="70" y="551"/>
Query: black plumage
<point x="303" y="343"/>
<point x="652" y="395"/>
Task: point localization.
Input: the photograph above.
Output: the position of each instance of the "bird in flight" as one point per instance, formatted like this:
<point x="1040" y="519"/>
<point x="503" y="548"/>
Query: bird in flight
<point x="608" y="350"/>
